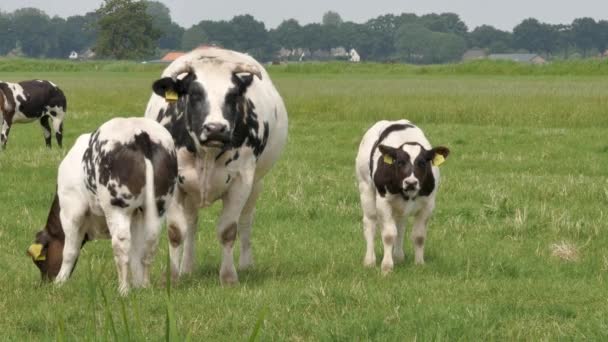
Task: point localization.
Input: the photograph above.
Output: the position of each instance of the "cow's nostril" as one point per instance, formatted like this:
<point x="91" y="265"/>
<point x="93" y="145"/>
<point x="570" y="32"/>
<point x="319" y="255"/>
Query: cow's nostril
<point x="214" y="128"/>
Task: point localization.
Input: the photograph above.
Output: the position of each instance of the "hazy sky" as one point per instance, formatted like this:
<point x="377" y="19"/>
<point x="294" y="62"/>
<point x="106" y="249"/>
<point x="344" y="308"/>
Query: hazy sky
<point x="504" y="14"/>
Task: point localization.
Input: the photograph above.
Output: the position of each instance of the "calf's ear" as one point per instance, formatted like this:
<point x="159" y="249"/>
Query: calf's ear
<point x="389" y="154"/>
<point x="439" y="154"/>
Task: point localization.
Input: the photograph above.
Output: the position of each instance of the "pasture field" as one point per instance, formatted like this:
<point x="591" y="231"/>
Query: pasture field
<point x="527" y="174"/>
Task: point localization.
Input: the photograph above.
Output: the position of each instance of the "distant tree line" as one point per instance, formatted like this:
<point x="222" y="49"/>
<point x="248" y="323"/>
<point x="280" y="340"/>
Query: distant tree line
<point x="129" y="29"/>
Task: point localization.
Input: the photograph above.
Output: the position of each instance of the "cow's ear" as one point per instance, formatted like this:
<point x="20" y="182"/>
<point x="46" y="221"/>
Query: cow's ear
<point x="438" y="155"/>
<point x="167" y="86"/>
<point x="164" y="85"/>
<point x="389" y="154"/>
<point x="242" y="80"/>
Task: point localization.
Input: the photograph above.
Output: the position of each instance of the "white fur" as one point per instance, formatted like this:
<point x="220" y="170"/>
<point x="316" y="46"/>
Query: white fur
<point x="391" y="211"/>
<point x="134" y="234"/>
<point x="206" y="179"/>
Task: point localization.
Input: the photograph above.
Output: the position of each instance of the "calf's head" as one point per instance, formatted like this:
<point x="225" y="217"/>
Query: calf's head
<point x="211" y="96"/>
<point x="47" y="250"/>
<point x="408" y="169"/>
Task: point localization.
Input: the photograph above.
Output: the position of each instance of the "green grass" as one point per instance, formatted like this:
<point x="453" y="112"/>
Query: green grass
<point x="527" y="170"/>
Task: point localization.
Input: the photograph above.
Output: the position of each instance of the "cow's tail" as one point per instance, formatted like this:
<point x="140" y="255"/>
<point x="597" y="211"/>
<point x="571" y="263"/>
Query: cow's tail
<point x="151" y="211"/>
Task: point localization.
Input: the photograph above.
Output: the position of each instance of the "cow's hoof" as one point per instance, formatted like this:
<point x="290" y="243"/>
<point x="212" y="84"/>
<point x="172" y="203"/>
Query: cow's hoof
<point x="245" y="263"/>
<point x="399" y="256"/>
<point x="229" y="277"/>
<point x="387" y="269"/>
<point x="369" y="262"/>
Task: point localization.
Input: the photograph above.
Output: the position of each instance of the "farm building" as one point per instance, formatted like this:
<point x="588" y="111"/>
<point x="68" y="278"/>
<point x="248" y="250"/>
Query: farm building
<point x="518" y="57"/>
<point x="474" y="54"/>
<point x="171" y="56"/>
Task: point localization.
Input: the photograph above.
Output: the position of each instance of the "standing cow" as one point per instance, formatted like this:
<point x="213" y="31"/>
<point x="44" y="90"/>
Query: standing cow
<point x="229" y="124"/>
<point x="398" y="174"/>
<point x="114" y="183"/>
<point x="28" y="101"/>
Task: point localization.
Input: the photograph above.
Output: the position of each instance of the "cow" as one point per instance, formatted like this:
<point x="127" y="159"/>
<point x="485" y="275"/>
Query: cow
<point x="28" y="101"/>
<point x="229" y="125"/>
<point x="398" y="175"/>
<point x="116" y="183"/>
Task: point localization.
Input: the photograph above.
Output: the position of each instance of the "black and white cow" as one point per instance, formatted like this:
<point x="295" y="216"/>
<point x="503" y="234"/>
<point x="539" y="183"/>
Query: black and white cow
<point x="28" y="101"/>
<point x="398" y="175"/>
<point x="114" y="183"/>
<point x="229" y="124"/>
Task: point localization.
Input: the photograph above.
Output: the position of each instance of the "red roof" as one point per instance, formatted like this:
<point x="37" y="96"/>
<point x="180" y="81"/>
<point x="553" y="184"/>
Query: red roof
<point x="171" y="56"/>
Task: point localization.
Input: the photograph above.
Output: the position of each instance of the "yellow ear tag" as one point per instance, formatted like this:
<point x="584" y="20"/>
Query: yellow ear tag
<point x="438" y="159"/>
<point x="170" y="96"/>
<point x="35" y="251"/>
<point x="388" y="159"/>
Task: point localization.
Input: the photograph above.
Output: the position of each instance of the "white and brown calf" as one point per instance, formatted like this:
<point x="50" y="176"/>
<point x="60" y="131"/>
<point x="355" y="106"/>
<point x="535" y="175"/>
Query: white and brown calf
<point x="398" y="176"/>
<point x="28" y="101"/>
<point x="114" y="183"/>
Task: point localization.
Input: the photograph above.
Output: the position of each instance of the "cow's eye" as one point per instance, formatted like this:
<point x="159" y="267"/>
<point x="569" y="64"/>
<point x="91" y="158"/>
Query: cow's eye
<point x="421" y="163"/>
<point x="400" y="163"/>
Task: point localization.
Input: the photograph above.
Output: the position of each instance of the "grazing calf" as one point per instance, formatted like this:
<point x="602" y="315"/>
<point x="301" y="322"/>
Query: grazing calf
<point x="114" y="183"/>
<point x="28" y="101"/>
<point x="398" y="175"/>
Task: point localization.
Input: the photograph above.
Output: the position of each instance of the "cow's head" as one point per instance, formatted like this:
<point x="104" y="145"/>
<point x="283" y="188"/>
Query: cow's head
<point x="211" y="95"/>
<point x="47" y="250"/>
<point x="408" y="169"/>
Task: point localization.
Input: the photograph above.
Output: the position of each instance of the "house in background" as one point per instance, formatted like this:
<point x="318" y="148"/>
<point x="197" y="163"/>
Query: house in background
<point x="529" y="58"/>
<point x="474" y="54"/>
<point x="171" y="56"/>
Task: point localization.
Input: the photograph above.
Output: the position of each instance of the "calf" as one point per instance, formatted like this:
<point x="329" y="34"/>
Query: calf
<point x="398" y="175"/>
<point x="28" y="101"/>
<point x="114" y="183"/>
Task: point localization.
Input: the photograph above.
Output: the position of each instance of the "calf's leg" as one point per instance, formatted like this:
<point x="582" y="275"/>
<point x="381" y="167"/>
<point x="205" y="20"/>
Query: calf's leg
<point x="119" y="224"/>
<point x="419" y="232"/>
<point x="368" y="205"/>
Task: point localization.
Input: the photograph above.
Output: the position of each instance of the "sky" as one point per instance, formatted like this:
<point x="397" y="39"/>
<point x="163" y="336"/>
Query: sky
<point x="503" y="14"/>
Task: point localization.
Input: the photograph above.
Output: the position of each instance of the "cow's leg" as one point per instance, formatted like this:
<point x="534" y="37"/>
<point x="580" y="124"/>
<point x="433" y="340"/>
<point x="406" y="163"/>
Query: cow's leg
<point x="4" y="131"/>
<point x="233" y="203"/>
<point x="71" y="216"/>
<point x="44" y="122"/>
<point x="182" y="223"/>
<point x="58" y="125"/>
<point x="368" y="204"/>
<point x="151" y="237"/>
<point x="419" y="232"/>
<point x="136" y="253"/>
<point x="389" y="233"/>
<point x="119" y="224"/>
<point x="398" y="253"/>
<point x="245" y="226"/>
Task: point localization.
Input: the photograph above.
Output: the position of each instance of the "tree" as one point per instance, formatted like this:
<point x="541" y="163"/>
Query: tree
<point x="585" y="34"/>
<point x="170" y="33"/>
<point x="534" y="36"/>
<point x="126" y="31"/>
<point x="7" y="36"/>
<point x="31" y="28"/>
<point x="445" y="22"/>
<point x="489" y="37"/>
<point x="288" y="35"/>
<point x="194" y="37"/>
<point x="418" y="44"/>
<point x="331" y="18"/>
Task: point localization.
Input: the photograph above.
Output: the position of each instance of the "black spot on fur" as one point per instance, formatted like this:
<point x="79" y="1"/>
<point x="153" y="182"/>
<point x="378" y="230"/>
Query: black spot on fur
<point x="390" y="129"/>
<point x="118" y="202"/>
